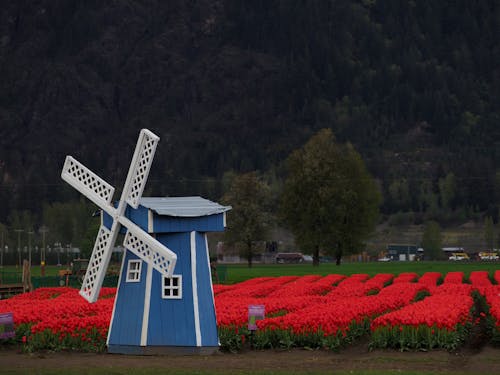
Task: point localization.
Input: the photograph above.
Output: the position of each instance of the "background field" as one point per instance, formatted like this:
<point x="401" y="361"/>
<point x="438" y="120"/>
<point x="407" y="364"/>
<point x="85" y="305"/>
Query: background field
<point x="234" y="273"/>
<point x="238" y="272"/>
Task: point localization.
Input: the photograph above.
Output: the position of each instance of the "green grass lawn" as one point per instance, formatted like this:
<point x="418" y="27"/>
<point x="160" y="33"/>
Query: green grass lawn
<point x="35" y="270"/>
<point x="234" y="273"/>
<point x="239" y="272"/>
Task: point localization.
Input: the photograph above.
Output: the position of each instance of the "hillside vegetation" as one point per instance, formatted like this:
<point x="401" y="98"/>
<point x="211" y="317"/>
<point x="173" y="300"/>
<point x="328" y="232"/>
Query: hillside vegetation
<point x="237" y="85"/>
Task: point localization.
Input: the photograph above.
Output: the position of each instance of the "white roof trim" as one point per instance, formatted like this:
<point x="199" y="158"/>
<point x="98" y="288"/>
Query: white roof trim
<point x="183" y="206"/>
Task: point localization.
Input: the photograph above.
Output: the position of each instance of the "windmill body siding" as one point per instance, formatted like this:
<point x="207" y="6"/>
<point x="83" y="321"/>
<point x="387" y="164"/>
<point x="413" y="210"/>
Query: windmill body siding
<point x="212" y="223"/>
<point x="129" y="307"/>
<point x="171" y="321"/>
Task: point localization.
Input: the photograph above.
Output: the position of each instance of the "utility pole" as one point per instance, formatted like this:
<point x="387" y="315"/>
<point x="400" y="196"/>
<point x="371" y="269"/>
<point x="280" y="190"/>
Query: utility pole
<point x="1" y="254"/>
<point x="68" y="246"/>
<point x="43" y="230"/>
<point x="30" y="232"/>
<point x="19" y="244"/>
<point x="57" y="247"/>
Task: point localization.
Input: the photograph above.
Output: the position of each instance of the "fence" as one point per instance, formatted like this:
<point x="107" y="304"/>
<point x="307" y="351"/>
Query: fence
<point x="11" y="283"/>
<point x="11" y="277"/>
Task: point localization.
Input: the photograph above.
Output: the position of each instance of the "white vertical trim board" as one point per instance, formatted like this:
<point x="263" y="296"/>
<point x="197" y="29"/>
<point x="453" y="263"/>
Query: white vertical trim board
<point x="209" y="270"/>
<point x="150" y="221"/>
<point x="195" y="290"/>
<point x="210" y="277"/>
<point x="124" y="257"/>
<point x="147" y="304"/>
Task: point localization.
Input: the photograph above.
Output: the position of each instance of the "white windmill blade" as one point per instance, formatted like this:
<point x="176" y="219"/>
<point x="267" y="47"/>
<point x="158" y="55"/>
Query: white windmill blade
<point x="98" y="264"/>
<point x="87" y="183"/>
<point x="149" y="249"/>
<point x="140" y="166"/>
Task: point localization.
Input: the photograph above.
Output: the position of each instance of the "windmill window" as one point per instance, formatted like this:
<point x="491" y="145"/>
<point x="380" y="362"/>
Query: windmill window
<point x="134" y="271"/>
<point x="172" y="287"/>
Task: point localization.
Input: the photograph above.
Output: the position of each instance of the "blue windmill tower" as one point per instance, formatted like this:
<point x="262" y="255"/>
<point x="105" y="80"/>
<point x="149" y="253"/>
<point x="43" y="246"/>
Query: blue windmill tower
<point x="164" y="301"/>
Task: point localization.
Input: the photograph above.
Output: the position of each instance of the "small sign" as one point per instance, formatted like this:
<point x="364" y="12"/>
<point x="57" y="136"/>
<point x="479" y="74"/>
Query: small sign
<point x="7" y="326"/>
<point x="255" y="313"/>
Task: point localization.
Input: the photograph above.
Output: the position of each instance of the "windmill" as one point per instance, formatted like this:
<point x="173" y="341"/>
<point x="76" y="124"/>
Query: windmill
<point x="155" y="311"/>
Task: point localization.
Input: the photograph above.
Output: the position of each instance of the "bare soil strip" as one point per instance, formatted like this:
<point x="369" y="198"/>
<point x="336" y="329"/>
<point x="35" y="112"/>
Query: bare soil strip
<point x="485" y="361"/>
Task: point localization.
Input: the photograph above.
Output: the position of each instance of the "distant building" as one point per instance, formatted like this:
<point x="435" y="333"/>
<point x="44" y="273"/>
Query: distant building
<point x="453" y="250"/>
<point x="402" y="252"/>
<point x="289" y="258"/>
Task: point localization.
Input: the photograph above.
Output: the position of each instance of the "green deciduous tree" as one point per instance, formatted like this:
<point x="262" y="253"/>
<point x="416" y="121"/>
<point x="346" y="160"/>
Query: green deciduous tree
<point x="249" y="219"/>
<point x="431" y="241"/>
<point x="329" y="200"/>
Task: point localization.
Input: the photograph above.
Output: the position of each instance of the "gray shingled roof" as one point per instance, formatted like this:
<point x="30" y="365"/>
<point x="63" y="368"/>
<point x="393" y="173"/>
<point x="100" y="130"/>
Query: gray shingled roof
<point x="183" y="206"/>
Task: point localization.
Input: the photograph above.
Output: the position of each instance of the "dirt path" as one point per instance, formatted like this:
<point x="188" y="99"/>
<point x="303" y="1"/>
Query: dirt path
<point x="486" y="361"/>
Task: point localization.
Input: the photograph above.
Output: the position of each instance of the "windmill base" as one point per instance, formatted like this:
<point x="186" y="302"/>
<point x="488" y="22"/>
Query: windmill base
<point x="162" y="350"/>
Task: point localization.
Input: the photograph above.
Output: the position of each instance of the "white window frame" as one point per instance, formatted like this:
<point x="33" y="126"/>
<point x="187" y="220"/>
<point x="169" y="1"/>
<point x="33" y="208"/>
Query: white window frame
<point x="167" y="292"/>
<point x="134" y="275"/>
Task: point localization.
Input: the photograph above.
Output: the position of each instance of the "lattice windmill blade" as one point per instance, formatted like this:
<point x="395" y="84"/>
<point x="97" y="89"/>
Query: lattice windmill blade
<point x="140" y="166"/>
<point x="132" y="191"/>
<point x="88" y="183"/>
<point x="101" y="193"/>
<point x="98" y="264"/>
<point x="149" y="249"/>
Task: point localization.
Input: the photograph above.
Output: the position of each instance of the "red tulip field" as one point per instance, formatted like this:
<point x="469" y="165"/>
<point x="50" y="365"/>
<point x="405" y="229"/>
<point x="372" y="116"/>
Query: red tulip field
<point x="403" y="312"/>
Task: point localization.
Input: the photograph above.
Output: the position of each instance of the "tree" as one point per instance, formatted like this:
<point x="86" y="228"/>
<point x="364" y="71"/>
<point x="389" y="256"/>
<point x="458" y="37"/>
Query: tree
<point x="4" y="234"/>
<point x="431" y="241"/>
<point x="399" y="193"/>
<point x="447" y="190"/>
<point x="68" y="222"/>
<point x="249" y="219"/>
<point x="329" y="200"/>
<point x="489" y="233"/>
<point x="428" y="200"/>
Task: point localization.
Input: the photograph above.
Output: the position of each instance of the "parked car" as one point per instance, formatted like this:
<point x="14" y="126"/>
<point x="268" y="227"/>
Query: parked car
<point x="458" y="256"/>
<point x="484" y="255"/>
<point x="307" y="258"/>
<point x="384" y="259"/>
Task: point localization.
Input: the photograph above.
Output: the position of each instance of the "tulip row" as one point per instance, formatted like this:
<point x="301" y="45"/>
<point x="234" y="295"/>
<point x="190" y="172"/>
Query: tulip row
<point x="441" y="320"/>
<point x="405" y="312"/>
<point x="58" y="318"/>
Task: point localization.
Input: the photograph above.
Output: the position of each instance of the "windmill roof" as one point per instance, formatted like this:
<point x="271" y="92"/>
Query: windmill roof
<point x="183" y="206"/>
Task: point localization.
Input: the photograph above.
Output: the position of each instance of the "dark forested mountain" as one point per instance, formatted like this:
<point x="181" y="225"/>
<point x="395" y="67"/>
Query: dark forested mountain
<point x="238" y="84"/>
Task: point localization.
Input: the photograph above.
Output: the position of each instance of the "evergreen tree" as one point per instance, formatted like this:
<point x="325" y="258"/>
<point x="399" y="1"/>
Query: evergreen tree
<point x="489" y="233"/>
